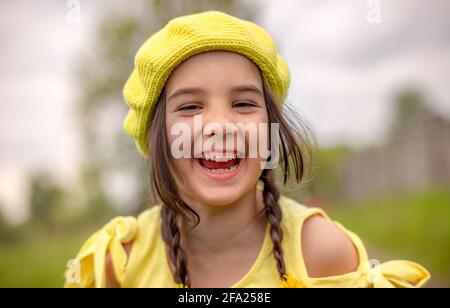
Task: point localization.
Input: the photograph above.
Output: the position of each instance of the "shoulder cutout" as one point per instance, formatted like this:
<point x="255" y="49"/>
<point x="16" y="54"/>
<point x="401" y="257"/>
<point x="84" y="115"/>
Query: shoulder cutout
<point x="327" y="250"/>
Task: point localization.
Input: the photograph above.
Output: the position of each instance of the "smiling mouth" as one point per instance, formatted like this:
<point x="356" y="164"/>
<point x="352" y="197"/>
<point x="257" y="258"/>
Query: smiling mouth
<point x="219" y="164"/>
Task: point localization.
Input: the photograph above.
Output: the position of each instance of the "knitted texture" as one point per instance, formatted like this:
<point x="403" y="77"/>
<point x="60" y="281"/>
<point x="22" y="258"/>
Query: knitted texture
<point x="184" y="37"/>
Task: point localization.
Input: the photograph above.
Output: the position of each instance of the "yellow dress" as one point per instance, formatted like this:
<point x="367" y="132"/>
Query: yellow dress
<point x="147" y="264"/>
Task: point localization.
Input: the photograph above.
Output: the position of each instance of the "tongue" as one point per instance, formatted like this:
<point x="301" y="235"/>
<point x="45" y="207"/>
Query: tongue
<point x="210" y="164"/>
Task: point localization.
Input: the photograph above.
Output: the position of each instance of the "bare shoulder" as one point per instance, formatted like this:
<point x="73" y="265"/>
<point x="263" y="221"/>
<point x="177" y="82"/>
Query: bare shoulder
<point x="327" y="250"/>
<point x="111" y="280"/>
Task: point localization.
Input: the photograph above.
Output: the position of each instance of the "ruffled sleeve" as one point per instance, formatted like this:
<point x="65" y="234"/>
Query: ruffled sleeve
<point x="391" y="274"/>
<point x="396" y="274"/>
<point x="374" y="274"/>
<point x="88" y="269"/>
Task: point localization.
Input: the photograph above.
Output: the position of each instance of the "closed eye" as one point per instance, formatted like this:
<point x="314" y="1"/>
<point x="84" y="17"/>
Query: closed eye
<point x="189" y="107"/>
<point x="243" y="104"/>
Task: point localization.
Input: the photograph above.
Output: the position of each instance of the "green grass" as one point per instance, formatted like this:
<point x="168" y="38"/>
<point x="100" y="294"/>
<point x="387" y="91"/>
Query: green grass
<point x="415" y="227"/>
<point x="38" y="261"/>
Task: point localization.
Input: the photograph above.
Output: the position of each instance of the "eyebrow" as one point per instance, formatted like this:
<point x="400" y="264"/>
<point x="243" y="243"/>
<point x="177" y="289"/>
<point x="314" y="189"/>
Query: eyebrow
<point x="236" y="89"/>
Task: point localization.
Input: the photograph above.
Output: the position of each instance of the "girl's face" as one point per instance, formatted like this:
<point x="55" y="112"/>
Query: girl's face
<point x="223" y="87"/>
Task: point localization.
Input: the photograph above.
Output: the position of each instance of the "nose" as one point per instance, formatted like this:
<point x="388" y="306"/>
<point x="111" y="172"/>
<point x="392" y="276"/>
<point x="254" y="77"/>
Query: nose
<point x="219" y="118"/>
<point x="219" y="113"/>
<point x="219" y="125"/>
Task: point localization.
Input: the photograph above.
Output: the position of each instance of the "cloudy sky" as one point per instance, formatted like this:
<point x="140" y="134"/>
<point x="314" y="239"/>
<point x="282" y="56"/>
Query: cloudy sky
<point x="345" y="71"/>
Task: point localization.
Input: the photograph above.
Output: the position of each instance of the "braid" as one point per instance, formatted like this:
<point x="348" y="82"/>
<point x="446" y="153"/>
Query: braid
<point x="164" y="186"/>
<point x="271" y="194"/>
<point x="171" y="235"/>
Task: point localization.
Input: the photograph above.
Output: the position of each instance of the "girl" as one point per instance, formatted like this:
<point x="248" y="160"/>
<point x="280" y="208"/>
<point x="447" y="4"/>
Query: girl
<point x="221" y="221"/>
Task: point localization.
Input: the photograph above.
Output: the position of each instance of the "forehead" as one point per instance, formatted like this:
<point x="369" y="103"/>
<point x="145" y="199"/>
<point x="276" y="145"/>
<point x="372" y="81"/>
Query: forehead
<point x="215" y="68"/>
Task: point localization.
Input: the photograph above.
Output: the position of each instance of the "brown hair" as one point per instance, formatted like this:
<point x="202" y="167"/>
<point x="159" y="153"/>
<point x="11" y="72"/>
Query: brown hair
<point x="294" y="149"/>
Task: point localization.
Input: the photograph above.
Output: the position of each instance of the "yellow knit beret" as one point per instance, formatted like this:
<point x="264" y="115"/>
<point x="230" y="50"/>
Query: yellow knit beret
<point x="182" y="38"/>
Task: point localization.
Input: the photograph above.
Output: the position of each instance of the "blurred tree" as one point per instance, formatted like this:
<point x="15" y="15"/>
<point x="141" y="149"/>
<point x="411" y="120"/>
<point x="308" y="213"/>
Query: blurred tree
<point x="322" y="182"/>
<point x="45" y="199"/>
<point x="5" y="229"/>
<point x="108" y="155"/>
<point x="326" y="182"/>
<point x="409" y="106"/>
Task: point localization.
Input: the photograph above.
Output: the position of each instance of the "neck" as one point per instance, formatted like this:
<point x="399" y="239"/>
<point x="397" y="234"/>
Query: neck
<point x="226" y="226"/>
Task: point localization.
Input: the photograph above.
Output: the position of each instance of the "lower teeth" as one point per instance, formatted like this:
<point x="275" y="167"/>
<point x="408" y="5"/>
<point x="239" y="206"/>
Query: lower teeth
<point x="232" y="168"/>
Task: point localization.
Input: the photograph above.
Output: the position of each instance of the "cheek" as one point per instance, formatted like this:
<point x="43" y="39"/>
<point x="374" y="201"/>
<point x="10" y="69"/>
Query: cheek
<point x="182" y="167"/>
<point x="169" y="124"/>
<point x="183" y="135"/>
<point x="254" y="170"/>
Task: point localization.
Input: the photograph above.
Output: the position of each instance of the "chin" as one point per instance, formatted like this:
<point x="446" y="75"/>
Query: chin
<point x="219" y="196"/>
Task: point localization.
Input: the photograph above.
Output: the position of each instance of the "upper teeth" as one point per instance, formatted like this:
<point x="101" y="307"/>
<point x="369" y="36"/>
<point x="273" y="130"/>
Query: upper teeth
<point x="219" y="157"/>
